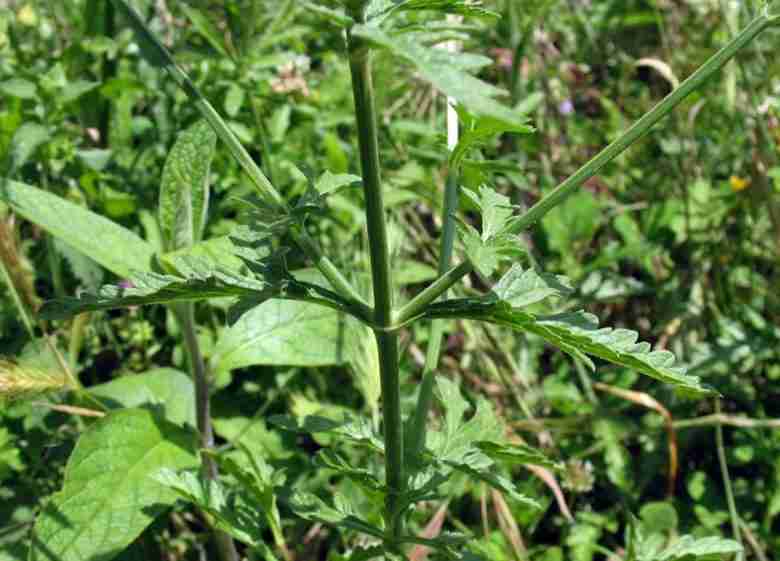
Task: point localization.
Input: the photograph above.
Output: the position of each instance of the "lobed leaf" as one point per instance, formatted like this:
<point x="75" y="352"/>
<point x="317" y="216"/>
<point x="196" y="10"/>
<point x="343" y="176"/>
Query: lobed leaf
<point x="310" y="507"/>
<point x="447" y="72"/>
<point x="513" y="453"/>
<point x="230" y="514"/>
<point x="357" y="430"/>
<point x="199" y="280"/>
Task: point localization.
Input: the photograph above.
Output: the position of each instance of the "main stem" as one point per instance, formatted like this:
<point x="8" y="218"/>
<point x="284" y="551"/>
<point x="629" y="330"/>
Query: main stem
<point x="226" y="549"/>
<point x="387" y="340"/>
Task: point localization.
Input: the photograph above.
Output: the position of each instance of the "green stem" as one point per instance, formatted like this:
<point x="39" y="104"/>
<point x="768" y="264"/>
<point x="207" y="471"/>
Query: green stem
<point x="158" y="56"/>
<point x="419" y="303"/>
<point x="643" y="125"/>
<point x="591" y="168"/>
<point x="724" y="470"/>
<point x="425" y="397"/>
<point x="186" y="316"/>
<point x="387" y="341"/>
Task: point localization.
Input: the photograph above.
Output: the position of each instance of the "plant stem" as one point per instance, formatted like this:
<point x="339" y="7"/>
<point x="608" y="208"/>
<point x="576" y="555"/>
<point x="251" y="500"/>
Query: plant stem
<point x="591" y="168"/>
<point x="186" y="314"/>
<point x="417" y="305"/>
<point x="643" y="125"/>
<point x="724" y="470"/>
<point x="387" y="341"/>
<point x="157" y="55"/>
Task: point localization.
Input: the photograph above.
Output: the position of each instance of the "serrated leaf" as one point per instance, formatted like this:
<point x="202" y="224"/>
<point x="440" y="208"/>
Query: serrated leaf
<point x="230" y="513"/>
<point x="332" y="460"/>
<point x="331" y="182"/>
<point x="486" y="255"/>
<point x="108" y="497"/>
<point x="336" y="17"/>
<point x="356" y="430"/>
<point x="473" y="466"/>
<point x="310" y="507"/>
<point x="477" y="133"/>
<point x="495" y="210"/>
<point x="579" y="334"/>
<point x="184" y="188"/>
<point x="114" y="247"/>
<point x="166" y="389"/>
<point x="472" y="8"/>
<point x="199" y="280"/>
<point x="447" y="72"/>
<point x="513" y="453"/>
<point x="688" y="548"/>
<point x="522" y="287"/>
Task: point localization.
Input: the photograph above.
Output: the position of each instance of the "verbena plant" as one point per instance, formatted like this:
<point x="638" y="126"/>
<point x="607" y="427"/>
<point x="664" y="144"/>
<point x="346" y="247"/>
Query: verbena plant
<point x="137" y="462"/>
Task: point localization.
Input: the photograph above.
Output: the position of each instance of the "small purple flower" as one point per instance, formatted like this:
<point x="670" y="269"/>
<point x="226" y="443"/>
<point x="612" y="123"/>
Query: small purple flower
<point x="566" y="107"/>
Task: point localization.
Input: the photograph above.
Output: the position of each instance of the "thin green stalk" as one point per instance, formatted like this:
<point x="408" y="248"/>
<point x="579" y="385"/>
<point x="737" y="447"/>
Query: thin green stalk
<point x="186" y="315"/>
<point x="724" y="470"/>
<point x="591" y="168"/>
<point x="425" y="397"/>
<point x="643" y="125"/>
<point x="419" y="303"/>
<point x="387" y="341"/>
<point x="159" y="56"/>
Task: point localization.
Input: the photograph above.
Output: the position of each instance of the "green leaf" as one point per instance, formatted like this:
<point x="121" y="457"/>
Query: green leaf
<point x="513" y="453"/>
<point x="283" y="332"/>
<point x="310" y="507"/>
<point x="477" y="132"/>
<point x="522" y="287"/>
<point x="336" y="17"/>
<point x="462" y="7"/>
<point x="332" y="182"/>
<point x="165" y="388"/>
<point x="357" y="431"/>
<point x="184" y="189"/>
<point x="25" y="142"/>
<point x="116" y="248"/>
<point x="206" y="29"/>
<point x="18" y="87"/>
<point x="226" y="506"/>
<point x="472" y="467"/>
<point x="332" y="460"/>
<point x="199" y="280"/>
<point x="690" y="548"/>
<point x="495" y="243"/>
<point x="579" y="334"/>
<point x="448" y="72"/>
<point x="108" y="497"/>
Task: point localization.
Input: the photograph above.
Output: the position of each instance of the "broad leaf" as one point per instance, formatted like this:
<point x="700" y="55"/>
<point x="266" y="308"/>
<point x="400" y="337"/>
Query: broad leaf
<point x="116" y="248"/>
<point x="329" y="459"/>
<point x="184" y="189"/>
<point x="163" y="388"/>
<point x="108" y="497"/>
<point x="283" y="332"/>
<point x="448" y="72"/>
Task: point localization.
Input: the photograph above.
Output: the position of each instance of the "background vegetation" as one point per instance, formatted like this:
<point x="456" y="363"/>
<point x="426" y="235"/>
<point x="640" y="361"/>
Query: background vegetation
<point x="679" y="238"/>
